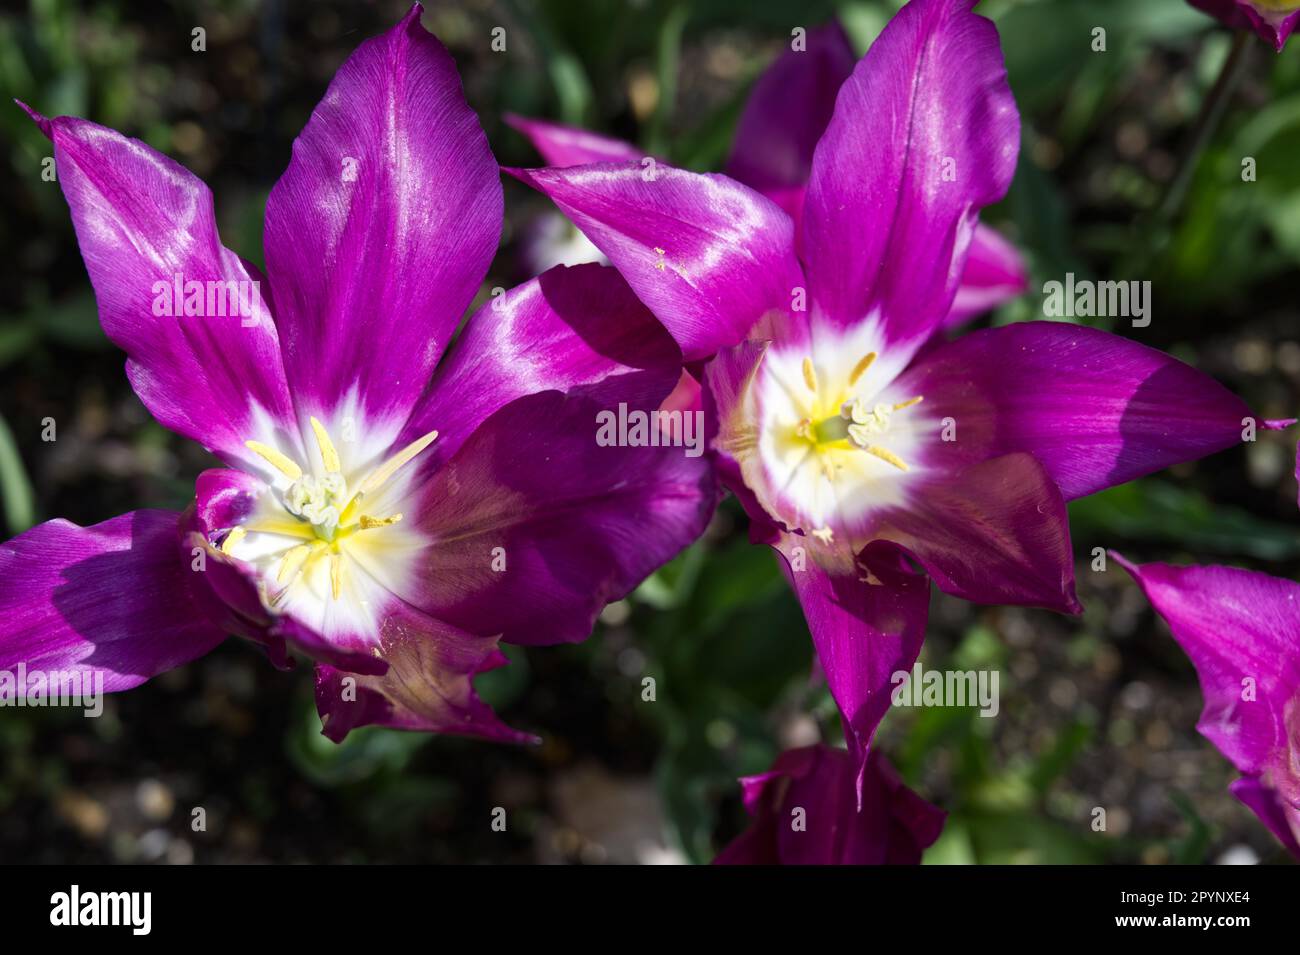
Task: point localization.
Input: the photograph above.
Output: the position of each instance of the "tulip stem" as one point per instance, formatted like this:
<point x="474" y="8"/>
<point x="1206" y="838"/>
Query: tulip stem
<point x="1212" y="111"/>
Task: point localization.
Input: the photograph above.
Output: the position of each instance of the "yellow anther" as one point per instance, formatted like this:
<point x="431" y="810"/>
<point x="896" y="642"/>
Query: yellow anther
<point x="292" y="563"/>
<point x="336" y="575"/>
<point x="328" y="455"/>
<point x="861" y="367"/>
<point x="886" y="455"/>
<point x="234" y="537"/>
<point x="386" y="470"/>
<point x="284" y="465"/>
<point x="810" y="375"/>
<point x="824" y="534"/>
<point x="908" y="403"/>
<point x="368" y="522"/>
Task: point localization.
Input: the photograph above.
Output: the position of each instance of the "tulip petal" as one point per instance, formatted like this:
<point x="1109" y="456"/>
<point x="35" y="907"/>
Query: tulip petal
<point x="995" y="533"/>
<point x="535" y="526"/>
<point x="867" y="620"/>
<point x="381" y="230"/>
<point x="148" y="234"/>
<point x="711" y="258"/>
<point x="1282" y="819"/>
<point x="562" y="145"/>
<point x="576" y="329"/>
<point x="806" y="812"/>
<point x="786" y="114"/>
<point x="995" y="272"/>
<point x="113" y="599"/>
<point x="1095" y="409"/>
<point x="428" y="685"/>
<point x="925" y="133"/>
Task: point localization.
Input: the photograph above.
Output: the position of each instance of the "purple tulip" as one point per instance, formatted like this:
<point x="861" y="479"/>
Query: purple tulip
<point x="806" y="812"/>
<point x="389" y="508"/>
<point x="1274" y="20"/>
<point x="858" y="447"/>
<point x="1241" y="630"/>
<point x="790" y="107"/>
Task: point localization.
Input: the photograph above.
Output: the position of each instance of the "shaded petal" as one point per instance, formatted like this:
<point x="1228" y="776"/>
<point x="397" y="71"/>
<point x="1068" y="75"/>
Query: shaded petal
<point x="428" y="685"/>
<point x="1237" y="626"/>
<point x="1283" y="820"/>
<point x="1096" y="409"/>
<point x="864" y="632"/>
<point x="925" y="133"/>
<point x="567" y="524"/>
<point x="381" y="230"/>
<point x="571" y="329"/>
<point x="806" y="813"/>
<point x="710" y="257"/>
<point x="114" y="599"/>
<point x="995" y="272"/>
<point x="146" y="229"/>
<point x="994" y="533"/>
<point x="786" y="114"/>
<point x="562" y="145"/>
<point x="1275" y="26"/>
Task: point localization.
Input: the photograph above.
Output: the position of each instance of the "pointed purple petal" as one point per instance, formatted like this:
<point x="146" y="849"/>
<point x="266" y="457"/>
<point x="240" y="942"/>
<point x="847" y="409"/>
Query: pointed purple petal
<point x="381" y="230"/>
<point x="114" y="599"/>
<point x="146" y="230"/>
<point x="995" y="272"/>
<point x="428" y="686"/>
<point x="787" y="113"/>
<point x="710" y="257"/>
<point x="536" y="526"/>
<point x="1282" y="819"/>
<point x="1274" y="26"/>
<point x="1096" y="409"/>
<point x="925" y="133"/>
<point x="562" y="145"/>
<point x="864" y="630"/>
<point x="571" y="329"/>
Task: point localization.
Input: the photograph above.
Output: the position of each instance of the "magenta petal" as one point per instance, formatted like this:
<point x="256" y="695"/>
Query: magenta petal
<point x="925" y="133"/>
<point x="1282" y="819"/>
<point x="576" y="329"/>
<point x="864" y="632"/>
<point x="995" y="272"/>
<point x="113" y="599"/>
<point x="146" y="230"/>
<point x="996" y="532"/>
<point x="806" y="812"/>
<point x="536" y="527"/>
<point x="381" y="230"/>
<point x="562" y="145"/>
<point x="428" y="685"/>
<point x="786" y="114"/>
<point x="1095" y="409"/>
<point x="710" y="257"/>
<point x="1241" y="630"/>
<point x="1273" y="26"/>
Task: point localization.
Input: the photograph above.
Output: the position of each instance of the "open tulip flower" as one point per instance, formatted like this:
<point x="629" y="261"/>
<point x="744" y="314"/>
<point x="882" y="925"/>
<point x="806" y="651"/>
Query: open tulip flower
<point x="1241" y="629"/>
<point x="1274" y="20"/>
<point x="389" y="508"/>
<point x="858" y="446"/>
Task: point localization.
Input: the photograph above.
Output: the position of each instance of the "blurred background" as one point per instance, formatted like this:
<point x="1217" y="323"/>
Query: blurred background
<point x="1095" y="711"/>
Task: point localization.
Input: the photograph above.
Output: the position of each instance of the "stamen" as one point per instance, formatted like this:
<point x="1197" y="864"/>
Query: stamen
<point x="292" y="562"/>
<point x="389" y="467"/>
<point x="328" y="455"/>
<point x="824" y="534"/>
<point x="234" y="537"/>
<point x="909" y="402"/>
<point x="277" y="460"/>
<point x="368" y="522"/>
<point x="810" y="375"/>
<point x="336" y="575"/>
<point x="886" y="455"/>
<point x="861" y="367"/>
